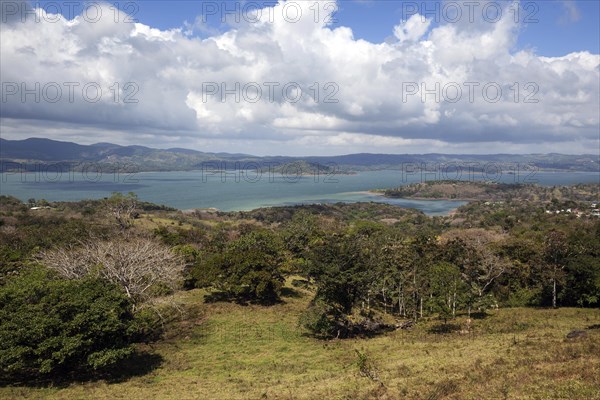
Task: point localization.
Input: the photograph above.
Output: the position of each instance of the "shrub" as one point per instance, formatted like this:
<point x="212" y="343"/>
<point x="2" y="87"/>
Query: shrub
<point x="50" y="325"/>
<point x="366" y="367"/>
<point x="323" y="321"/>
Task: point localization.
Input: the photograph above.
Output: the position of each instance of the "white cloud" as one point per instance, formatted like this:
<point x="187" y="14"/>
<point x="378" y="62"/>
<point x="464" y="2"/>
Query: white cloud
<point x="412" y="29"/>
<point x="170" y="71"/>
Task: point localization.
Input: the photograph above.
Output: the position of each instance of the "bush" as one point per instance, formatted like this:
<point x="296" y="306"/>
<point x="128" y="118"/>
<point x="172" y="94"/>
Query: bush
<point x="49" y="325"/>
<point x="323" y="321"/>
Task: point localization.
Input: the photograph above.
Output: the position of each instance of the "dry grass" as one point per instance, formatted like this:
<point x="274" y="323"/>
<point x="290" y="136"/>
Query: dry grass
<point x="227" y="351"/>
<point x="151" y="221"/>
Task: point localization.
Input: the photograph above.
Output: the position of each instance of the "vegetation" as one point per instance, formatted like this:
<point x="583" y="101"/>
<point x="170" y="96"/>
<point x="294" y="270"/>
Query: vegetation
<point x="51" y="326"/>
<point x="492" y="191"/>
<point x="230" y="351"/>
<point x="138" y="266"/>
<point x="248" y="268"/>
<point x="397" y="286"/>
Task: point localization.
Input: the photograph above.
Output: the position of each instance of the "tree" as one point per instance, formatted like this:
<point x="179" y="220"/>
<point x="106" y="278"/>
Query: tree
<point x="446" y="289"/>
<point x="556" y="251"/>
<point x="582" y="282"/>
<point x="122" y="208"/>
<point x="343" y="267"/>
<point x="340" y="265"/>
<point x="301" y="232"/>
<point x="247" y="269"/>
<point x="423" y="249"/>
<point x="473" y="252"/>
<point x="50" y="325"/>
<point x="396" y="273"/>
<point x="582" y="268"/>
<point x="522" y="285"/>
<point x="138" y="266"/>
<point x="191" y="257"/>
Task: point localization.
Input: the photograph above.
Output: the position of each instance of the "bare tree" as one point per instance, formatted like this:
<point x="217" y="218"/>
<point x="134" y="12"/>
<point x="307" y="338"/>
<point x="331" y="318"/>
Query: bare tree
<point x="135" y="264"/>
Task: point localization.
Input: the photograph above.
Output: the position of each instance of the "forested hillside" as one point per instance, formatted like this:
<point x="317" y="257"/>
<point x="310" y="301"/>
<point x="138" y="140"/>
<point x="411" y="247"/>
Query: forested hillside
<point x="86" y="286"/>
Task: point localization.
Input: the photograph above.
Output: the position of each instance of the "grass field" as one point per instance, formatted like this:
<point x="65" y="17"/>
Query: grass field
<point x="227" y="351"/>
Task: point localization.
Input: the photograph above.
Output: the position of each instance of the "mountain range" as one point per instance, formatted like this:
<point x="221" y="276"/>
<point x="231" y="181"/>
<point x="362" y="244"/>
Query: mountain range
<point x="25" y="154"/>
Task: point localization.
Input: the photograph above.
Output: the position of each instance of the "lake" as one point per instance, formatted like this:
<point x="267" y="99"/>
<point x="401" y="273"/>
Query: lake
<point x="235" y="190"/>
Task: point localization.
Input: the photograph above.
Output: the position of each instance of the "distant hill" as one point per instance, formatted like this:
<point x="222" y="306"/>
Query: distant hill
<point x="53" y="150"/>
<point x="490" y="191"/>
<point x="38" y="150"/>
<point x="49" y="150"/>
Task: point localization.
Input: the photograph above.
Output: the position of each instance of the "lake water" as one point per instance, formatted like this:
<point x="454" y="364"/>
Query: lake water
<point x="233" y="191"/>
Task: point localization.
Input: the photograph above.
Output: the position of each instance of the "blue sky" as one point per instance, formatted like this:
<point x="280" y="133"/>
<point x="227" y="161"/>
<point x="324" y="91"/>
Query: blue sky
<point x="562" y="26"/>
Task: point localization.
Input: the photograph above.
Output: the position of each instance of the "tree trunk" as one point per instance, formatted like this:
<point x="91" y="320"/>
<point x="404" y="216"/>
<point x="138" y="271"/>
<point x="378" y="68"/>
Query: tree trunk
<point x="554" y="291"/>
<point x="430" y="306"/>
<point x="400" y="300"/>
<point x="454" y="305"/>
<point x="416" y="291"/>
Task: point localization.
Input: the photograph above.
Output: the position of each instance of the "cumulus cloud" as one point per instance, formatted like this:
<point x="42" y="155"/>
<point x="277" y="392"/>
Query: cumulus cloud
<point x="274" y="84"/>
<point x="412" y="29"/>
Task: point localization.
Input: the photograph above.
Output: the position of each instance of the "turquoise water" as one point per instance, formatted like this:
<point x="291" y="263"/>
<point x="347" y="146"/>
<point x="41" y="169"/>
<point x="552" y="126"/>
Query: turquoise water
<point x="236" y="191"/>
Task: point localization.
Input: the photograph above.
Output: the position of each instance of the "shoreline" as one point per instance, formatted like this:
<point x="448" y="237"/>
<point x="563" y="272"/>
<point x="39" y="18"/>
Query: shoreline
<point x="381" y="194"/>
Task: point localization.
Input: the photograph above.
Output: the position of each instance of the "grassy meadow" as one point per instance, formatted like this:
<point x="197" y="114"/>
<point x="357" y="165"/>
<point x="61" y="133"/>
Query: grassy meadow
<point x="229" y="351"/>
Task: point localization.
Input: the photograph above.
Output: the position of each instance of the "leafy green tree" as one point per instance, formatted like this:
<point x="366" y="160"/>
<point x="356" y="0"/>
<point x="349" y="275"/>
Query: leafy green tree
<point x="299" y="235"/>
<point x="581" y="286"/>
<point x="248" y="268"/>
<point x="522" y="285"/>
<point x="49" y="325"/>
<point x="340" y="267"/>
<point x="300" y="232"/>
<point x="447" y="289"/>
<point x="403" y="266"/>
<point x="191" y="257"/>
<point x="343" y="266"/>
<point x="582" y="281"/>
<point x="394" y="272"/>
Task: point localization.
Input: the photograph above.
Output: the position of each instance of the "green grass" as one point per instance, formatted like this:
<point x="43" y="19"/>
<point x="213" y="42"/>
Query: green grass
<point x="227" y="351"/>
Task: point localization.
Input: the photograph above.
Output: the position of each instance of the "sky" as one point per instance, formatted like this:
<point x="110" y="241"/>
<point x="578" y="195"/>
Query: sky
<point x="305" y="77"/>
